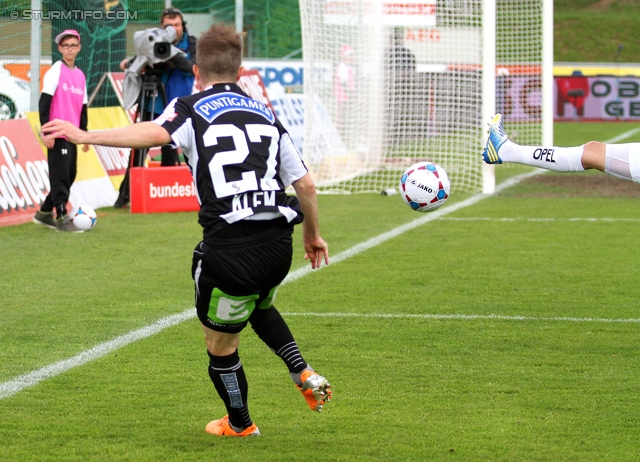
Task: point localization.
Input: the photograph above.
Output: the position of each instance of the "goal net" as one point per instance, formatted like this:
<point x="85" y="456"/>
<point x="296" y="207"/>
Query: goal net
<point x="392" y="82"/>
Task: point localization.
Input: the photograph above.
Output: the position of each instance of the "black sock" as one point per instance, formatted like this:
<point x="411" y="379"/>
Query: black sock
<point x="227" y="375"/>
<point x="273" y="330"/>
<point x="61" y="210"/>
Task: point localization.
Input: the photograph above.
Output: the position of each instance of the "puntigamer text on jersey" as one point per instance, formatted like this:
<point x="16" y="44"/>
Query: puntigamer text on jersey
<point x="215" y="105"/>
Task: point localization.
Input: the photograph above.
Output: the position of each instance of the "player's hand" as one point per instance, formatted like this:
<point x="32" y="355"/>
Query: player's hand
<point x="85" y="148"/>
<point x="48" y="142"/>
<point x="58" y="128"/>
<point x="123" y="63"/>
<point x="315" y="251"/>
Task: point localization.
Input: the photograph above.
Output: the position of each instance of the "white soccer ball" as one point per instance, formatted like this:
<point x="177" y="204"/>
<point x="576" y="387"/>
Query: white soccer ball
<point x="85" y="218"/>
<point x="424" y="186"/>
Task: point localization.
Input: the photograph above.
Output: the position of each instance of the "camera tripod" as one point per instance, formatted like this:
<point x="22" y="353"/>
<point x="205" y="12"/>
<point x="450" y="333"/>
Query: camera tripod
<point x="151" y="89"/>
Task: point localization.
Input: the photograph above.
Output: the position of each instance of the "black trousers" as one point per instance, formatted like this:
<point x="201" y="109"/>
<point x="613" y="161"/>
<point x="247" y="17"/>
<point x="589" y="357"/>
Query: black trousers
<point x="63" y="166"/>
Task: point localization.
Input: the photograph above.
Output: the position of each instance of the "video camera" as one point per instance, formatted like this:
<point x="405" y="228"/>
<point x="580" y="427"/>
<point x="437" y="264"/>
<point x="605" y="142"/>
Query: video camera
<point x="153" y="46"/>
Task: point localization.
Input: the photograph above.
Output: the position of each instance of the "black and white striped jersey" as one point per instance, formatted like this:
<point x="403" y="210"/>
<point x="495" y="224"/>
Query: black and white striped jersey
<point x="240" y="155"/>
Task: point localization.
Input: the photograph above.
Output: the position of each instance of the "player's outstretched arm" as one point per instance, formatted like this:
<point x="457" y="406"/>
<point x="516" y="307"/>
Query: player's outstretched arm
<point x="140" y="135"/>
<point x="315" y="248"/>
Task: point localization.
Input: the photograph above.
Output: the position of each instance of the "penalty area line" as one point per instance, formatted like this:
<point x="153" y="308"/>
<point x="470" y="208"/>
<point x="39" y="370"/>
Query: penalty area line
<point x="464" y="317"/>
<point x="30" y="379"/>
<point x="506" y="219"/>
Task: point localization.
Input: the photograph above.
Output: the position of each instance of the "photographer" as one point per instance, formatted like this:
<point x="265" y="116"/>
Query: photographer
<point x="176" y="74"/>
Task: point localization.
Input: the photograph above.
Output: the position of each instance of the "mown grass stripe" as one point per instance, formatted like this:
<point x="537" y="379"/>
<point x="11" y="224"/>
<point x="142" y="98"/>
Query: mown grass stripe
<point x="30" y="379"/>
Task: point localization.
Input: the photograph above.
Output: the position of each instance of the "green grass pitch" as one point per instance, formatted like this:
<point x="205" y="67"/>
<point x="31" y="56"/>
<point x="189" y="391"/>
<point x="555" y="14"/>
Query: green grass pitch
<point x="506" y="330"/>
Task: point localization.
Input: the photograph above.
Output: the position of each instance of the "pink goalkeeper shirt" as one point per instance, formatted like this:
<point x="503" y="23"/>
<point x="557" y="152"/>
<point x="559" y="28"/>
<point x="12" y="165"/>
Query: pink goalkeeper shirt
<point x="69" y="90"/>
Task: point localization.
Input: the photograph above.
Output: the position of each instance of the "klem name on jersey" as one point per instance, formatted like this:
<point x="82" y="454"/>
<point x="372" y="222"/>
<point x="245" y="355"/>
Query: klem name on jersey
<point x="253" y="199"/>
<point x="215" y="105"/>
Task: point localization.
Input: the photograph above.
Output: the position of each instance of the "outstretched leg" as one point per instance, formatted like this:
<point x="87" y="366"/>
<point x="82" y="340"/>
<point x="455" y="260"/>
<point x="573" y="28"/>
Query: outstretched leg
<point x="619" y="160"/>
<point x="274" y="332"/>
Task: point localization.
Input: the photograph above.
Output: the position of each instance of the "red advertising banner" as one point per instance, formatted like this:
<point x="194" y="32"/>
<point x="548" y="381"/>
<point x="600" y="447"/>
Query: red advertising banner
<point x="597" y="98"/>
<point x="163" y="189"/>
<point x="24" y="173"/>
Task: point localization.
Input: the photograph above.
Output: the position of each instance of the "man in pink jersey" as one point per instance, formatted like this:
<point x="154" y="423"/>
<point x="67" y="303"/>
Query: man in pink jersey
<point x="64" y="96"/>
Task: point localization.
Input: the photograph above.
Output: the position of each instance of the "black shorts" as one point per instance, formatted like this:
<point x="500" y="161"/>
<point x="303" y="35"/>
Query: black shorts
<point x="234" y="276"/>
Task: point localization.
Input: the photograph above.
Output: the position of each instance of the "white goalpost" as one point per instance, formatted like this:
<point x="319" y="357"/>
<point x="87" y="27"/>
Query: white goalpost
<point x="392" y="82"/>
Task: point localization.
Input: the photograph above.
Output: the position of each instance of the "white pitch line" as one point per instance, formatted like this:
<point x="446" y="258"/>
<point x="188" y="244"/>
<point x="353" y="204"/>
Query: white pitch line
<point x="623" y="136"/>
<point x="538" y="219"/>
<point x="464" y="317"/>
<point x="18" y="384"/>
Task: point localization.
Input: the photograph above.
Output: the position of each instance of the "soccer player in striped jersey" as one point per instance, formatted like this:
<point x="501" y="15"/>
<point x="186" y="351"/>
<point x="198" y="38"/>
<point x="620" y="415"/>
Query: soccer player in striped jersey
<point x="242" y="159"/>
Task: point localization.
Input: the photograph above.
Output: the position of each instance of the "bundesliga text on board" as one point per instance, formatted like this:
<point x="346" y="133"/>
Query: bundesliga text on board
<point x="77" y="15"/>
<point x="175" y="190"/>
